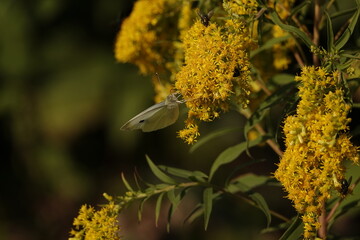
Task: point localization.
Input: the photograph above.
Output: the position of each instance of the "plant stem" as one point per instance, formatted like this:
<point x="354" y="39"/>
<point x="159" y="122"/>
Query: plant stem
<point x="323" y="222"/>
<point x="259" y="128"/>
<point x="337" y="204"/>
<point x="316" y="34"/>
<point x="342" y="29"/>
<point x="298" y="59"/>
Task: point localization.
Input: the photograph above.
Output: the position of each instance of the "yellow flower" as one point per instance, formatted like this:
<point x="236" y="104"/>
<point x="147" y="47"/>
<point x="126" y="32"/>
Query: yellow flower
<point x="216" y="68"/>
<point x="190" y="133"/>
<point x="146" y="36"/>
<point x="186" y="18"/>
<point x="316" y="145"/>
<point x="282" y="7"/>
<point x="241" y="7"/>
<point x="280" y="50"/>
<point x="93" y="225"/>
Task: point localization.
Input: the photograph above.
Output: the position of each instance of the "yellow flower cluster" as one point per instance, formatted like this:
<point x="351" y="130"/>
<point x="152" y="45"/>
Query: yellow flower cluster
<point x="146" y="36"/>
<point x="93" y="225"/>
<point x="316" y="145"/>
<point x="241" y="7"/>
<point x="216" y="68"/>
<point x="282" y="7"/>
<point x="186" y="18"/>
<point x="280" y="50"/>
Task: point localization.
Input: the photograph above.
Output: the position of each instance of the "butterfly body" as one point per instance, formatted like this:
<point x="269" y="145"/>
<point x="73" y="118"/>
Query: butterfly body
<point x="155" y="117"/>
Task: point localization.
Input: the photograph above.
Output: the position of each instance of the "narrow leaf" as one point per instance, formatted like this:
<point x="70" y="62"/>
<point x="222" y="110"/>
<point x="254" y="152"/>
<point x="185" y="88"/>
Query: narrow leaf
<point x="241" y="166"/>
<point x="275" y="98"/>
<point x="247" y="182"/>
<point x="199" y="209"/>
<point x="158" y="207"/>
<point x="158" y="173"/>
<point x="127" y="185"/>
<point x="349" y="30"/>
<point x="212" y="136"/>
<point x="261" y="203"/>
<point x="141" y="206"/>
<point x="330" y="32"/>
<point x="340" y="13"/>
<point x="175" y="200"/>
<point x="184" y="173"/>
<point x="230" y="154"/>
<point x="176" y="171"/>
<point x="294" y="30"/>
<point x="207" y="198"/>
<point x="269" y="44"/>
<point x="283" y="78"/>
<point x="295" y="230"/>
<point x="194" y="214"/>
<point x="298" y="8"/>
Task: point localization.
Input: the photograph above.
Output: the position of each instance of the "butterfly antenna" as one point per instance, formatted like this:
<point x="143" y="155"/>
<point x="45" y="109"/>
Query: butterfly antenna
<point x="158" y="78"/>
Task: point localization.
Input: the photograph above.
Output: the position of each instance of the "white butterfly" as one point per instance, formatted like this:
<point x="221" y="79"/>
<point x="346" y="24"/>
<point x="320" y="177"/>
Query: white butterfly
<point x="156" y="117"/>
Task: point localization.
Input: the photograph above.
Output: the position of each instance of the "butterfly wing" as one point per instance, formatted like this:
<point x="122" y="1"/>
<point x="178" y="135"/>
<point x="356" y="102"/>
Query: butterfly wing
<point x="155" y="117"/>
<point x="138" y="121"/>
<point x="164" y="117"/>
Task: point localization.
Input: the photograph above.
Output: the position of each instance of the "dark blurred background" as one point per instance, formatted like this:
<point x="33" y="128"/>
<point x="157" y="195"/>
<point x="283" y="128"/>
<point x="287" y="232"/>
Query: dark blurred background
<point x="63" y="99"/>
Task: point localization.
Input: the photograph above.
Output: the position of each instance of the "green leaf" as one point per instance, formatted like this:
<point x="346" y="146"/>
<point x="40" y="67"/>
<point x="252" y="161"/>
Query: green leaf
<point x="330" y="32"/>
<point x="152" y="188"/>
<point x="298" y="8"/>
<point x="350" y="56"/>
<point x="158" y="207"/>
<point x="158" y="173"/>
<point x="341" y="13"/>
<point x="269" y="44"/>
<point x="127" y="185"/>
<point x="295" y="230"/>
<point x="198" y="175"/>
<point x="230" y="154"/>
<point x="283" y="78"/>
<point x="239" y="167"/>
<point x="247" y="182"/>
<point x="349" y="30"/>
<point x="175" y="200"/>
<point x="194" y="214"/>
<point x="199" y="209"/>
<point x="141" y="206"/>
<point x="291" y="29"/>
<point x="212" y="136"/>
<point x="207" y="198"/>
<point x="261" y="203"/>
<point x="275" y="98"/>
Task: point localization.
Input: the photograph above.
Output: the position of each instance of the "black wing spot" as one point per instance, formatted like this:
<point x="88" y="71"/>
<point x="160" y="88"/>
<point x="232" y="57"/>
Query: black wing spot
<point x="141" y="121"/>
